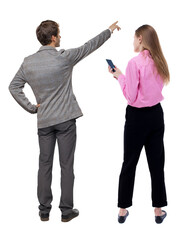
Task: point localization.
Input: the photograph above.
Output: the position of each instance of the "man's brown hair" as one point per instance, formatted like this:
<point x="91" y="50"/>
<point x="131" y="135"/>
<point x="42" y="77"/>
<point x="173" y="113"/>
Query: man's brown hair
<point x="46" y="30"/>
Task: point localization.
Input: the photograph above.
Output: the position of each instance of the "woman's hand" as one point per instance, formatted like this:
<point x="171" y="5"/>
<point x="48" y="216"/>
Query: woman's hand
<point x="116" y="73"/>
<point x="38" y="105"/>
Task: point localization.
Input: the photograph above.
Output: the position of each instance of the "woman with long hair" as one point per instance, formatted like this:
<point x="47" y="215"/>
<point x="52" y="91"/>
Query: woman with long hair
<point x="142" y="85"/>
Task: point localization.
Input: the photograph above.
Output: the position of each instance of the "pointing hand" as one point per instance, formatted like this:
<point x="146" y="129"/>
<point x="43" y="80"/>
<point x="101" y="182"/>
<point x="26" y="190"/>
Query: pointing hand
<point x="114" y="26"/>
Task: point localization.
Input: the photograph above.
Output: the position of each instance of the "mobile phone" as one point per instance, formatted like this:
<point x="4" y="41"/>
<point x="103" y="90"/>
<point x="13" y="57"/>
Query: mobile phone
<point x="110" y="63"/>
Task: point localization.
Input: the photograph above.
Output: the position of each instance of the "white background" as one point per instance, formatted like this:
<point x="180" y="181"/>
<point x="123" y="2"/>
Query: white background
<point x="99" y="149"/>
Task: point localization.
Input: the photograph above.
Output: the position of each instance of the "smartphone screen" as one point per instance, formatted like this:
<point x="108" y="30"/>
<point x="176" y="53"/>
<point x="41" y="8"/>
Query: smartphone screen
<point x="110" y="63"/>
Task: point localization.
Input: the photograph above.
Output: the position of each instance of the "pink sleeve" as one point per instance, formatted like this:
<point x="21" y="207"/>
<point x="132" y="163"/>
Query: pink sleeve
<point x="130" y="81"/>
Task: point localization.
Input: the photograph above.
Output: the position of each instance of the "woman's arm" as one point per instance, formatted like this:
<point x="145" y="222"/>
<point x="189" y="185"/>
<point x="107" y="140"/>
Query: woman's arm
<point x="129" y="82"/>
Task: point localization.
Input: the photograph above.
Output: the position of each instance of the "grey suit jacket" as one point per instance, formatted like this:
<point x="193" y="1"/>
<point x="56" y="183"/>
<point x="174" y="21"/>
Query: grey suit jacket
<point x="49" y="74"/>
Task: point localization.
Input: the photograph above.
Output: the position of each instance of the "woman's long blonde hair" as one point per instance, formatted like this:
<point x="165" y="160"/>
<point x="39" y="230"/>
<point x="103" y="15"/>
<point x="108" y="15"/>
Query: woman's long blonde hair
<point x="151" y="42"/>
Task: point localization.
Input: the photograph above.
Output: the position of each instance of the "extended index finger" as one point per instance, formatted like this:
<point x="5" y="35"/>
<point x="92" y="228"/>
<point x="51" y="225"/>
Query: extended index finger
<point x="115" y="23"/>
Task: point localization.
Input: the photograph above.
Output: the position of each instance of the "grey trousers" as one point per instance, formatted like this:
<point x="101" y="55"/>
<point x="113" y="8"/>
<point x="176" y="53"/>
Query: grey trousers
<point x="65" y="134"/>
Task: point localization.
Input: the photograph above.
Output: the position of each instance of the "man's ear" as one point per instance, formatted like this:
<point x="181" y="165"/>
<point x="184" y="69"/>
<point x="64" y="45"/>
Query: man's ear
<point x="53" y="38"/>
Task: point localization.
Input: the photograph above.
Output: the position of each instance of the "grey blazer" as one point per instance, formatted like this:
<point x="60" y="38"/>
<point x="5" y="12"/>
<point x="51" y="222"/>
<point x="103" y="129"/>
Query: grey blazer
<point x="49" y="74"/>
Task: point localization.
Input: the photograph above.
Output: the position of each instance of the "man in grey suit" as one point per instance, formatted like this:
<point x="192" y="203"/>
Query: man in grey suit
<point x="49" y="74"/>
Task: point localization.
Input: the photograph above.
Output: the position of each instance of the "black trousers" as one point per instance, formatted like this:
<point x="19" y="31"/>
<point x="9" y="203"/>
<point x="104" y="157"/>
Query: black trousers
<point x="143" y="127"/>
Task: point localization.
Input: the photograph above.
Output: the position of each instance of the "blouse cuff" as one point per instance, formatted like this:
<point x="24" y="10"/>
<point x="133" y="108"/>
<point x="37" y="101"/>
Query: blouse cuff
<point x="121" y="78"/>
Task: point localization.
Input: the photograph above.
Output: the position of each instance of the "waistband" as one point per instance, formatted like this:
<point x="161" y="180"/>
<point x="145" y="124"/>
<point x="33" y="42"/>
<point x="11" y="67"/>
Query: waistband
<point x="158" y="105"/>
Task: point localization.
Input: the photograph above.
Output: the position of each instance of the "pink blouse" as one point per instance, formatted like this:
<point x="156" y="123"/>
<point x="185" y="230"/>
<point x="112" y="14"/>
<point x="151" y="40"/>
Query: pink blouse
<point x="142" y="85"/>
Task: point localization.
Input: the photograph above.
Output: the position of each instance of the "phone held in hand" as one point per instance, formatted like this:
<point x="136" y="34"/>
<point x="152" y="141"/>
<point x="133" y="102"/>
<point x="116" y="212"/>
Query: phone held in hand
<point x="110" y="63"/>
